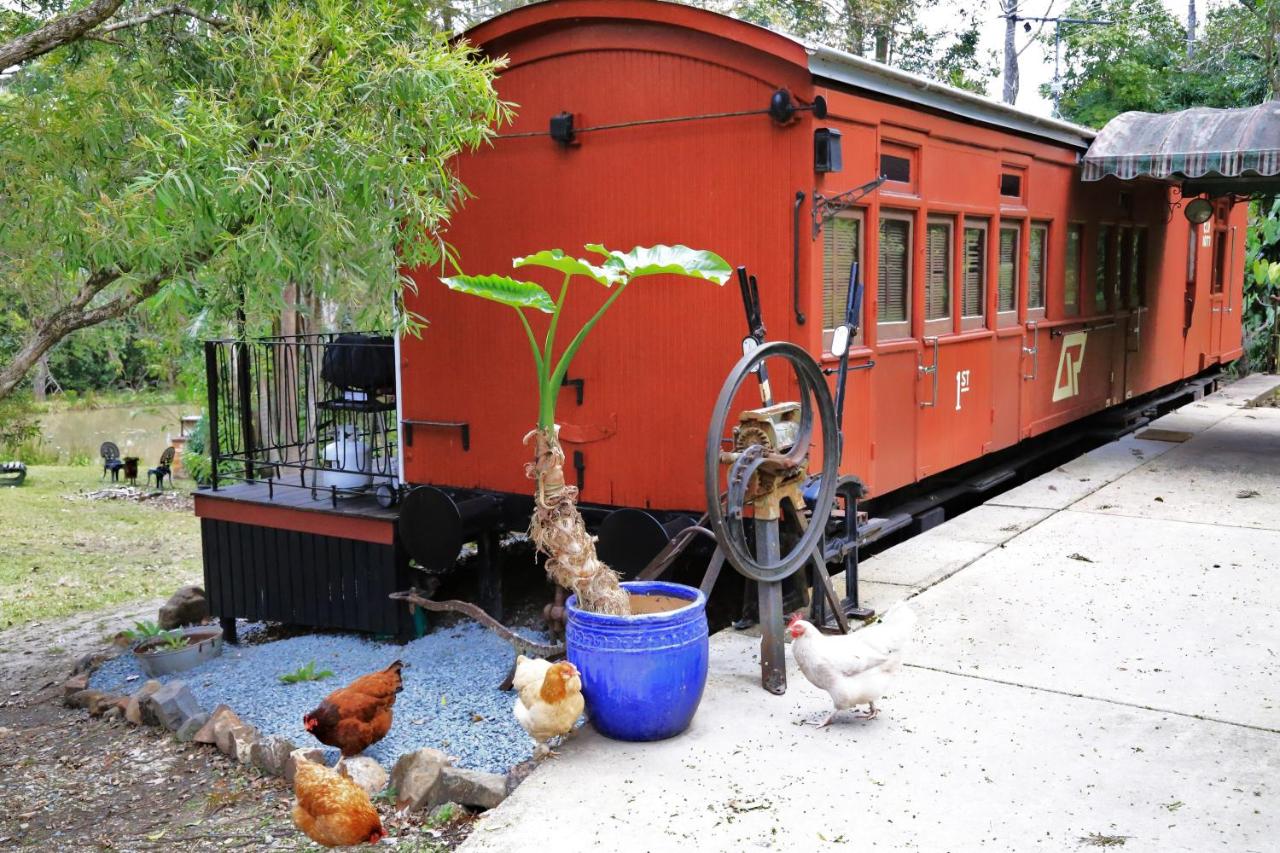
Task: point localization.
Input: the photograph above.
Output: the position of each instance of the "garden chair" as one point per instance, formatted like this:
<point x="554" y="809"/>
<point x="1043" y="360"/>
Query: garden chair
<point x="12" y="473"/>
<point x="111" y="460"/>
<point x="164" y="469"/>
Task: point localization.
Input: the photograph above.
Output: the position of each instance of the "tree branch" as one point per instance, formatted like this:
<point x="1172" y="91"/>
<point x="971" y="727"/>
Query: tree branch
<point x="61" y="30"/>
<point x="165" y="11"/>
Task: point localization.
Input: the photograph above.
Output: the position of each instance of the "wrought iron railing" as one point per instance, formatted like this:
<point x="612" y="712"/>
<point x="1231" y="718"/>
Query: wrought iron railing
<point x="313" y="412"/>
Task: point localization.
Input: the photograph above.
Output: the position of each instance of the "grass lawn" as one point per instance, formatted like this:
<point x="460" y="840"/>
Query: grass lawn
<point x="60" y="554"/>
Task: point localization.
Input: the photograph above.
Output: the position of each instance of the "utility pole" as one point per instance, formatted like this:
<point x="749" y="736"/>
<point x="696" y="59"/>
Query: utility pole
<point x="1191" y="29"/>
<point x="1009" y="7"/>
<point x="1056" y="85"/>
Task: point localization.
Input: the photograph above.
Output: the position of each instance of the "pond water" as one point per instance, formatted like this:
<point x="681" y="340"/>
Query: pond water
<point x="141" y="430"/>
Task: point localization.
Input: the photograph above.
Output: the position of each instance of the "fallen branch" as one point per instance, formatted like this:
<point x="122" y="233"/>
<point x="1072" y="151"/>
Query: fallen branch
<point x="522" y="645"/>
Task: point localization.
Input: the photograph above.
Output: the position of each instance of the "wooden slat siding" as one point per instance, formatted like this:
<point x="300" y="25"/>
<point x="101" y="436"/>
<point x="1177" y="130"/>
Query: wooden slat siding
<point x="1036" y="266"/>
<point x="1071" y="275"/>
<point x="840" y="239"/>
<point x="319" y="581"/>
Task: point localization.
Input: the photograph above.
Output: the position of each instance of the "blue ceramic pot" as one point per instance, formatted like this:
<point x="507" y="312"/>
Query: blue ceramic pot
<point x="642" y="675"/>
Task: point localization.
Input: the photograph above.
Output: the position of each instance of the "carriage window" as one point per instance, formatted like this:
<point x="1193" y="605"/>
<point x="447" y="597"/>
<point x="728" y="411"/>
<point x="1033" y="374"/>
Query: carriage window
<point x="1138" y="271"/>
<point x="842" y="245"/>
<point x="1102" y="268"/>
<point x="1124" y="264"/>
<point x="1007" y="282"/>
<point x="1037" y="266"/>
<point x="937" y="271"/>
<point x="898" y="165"/>
<point x="894" y="283"/>
<point x="1219" y="261"/>
<point x="973" y="294"/>
<point x="1010" y="185"/>
<point x="1072" y="266"/>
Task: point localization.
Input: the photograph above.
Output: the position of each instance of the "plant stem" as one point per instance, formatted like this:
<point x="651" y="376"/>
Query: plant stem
<point x="562" y="367"/>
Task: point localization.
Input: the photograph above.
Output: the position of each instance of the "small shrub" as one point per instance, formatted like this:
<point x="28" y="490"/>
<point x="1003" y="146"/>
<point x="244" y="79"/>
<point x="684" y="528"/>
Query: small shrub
<point x="173" y="640"/>
<point x="306" y="672"/>
<point x="144" y="630"/>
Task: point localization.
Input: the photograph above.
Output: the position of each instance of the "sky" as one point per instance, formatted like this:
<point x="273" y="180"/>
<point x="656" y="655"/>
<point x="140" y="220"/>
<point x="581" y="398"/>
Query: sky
<point x="1035" y="66"/>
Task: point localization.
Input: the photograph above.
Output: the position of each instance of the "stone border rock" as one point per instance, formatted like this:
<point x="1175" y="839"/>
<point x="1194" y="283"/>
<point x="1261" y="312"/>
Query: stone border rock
<point x="420" y="781"/>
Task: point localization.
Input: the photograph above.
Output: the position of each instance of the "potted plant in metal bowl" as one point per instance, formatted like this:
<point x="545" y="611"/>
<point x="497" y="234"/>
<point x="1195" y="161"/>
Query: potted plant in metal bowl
<point x="641" y="648"/>
<point x="161" y="652"/>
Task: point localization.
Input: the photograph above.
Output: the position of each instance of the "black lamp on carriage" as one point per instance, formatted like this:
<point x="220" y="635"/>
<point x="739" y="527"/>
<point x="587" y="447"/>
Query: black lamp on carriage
<point x="1198" y="211"/>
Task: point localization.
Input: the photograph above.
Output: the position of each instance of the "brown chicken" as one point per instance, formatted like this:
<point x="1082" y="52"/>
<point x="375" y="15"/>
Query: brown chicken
<point x="354" y="717"/>
<point x="331" y="809"/>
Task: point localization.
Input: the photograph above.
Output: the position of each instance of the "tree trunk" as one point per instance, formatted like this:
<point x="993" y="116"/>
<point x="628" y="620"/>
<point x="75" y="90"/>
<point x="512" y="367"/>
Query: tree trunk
<point x="558" y="532"/>
<point x="57" y="32"/>
<point x="1191" y="29"/>
<point x="1011" y="81"/>
<point x="40" y="382"/>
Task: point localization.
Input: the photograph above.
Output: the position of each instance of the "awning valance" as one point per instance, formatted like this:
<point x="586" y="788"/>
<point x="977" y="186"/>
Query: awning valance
<point x="1192" y="144"/>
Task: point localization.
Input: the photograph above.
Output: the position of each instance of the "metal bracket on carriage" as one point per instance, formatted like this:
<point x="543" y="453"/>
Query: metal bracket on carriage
<point x="519" y="645"/>
<point x="825" y="207"/>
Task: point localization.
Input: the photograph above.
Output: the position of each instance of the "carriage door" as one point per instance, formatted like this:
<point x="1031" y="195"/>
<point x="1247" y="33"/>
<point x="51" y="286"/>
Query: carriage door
<point x="1133" y="295"/>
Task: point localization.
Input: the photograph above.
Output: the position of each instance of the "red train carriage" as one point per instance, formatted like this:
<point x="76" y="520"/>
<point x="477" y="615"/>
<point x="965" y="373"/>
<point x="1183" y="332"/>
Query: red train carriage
<point x="1028" y="297"/>
<point x="1005" y="297"/>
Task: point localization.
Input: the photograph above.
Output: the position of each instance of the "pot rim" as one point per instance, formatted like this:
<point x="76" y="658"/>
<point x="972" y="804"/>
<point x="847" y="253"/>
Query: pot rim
<point x="190" y="632"/>
<point x="697" y="602"/>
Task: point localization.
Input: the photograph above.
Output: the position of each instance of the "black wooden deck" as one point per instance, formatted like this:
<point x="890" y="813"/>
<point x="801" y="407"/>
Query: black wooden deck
<point x="295" y="497"/>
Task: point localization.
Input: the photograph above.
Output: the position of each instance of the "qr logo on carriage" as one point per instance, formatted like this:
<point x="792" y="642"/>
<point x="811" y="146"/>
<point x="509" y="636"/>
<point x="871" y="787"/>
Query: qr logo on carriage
<point x="1067" y="382"/>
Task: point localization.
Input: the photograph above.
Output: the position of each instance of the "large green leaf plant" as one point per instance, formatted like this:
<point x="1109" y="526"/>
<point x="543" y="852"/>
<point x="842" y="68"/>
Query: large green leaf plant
<point x="557" y="529"/>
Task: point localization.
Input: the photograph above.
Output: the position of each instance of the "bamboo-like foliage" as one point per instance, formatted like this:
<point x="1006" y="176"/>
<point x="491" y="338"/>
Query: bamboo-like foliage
<point x="557" y="529"/>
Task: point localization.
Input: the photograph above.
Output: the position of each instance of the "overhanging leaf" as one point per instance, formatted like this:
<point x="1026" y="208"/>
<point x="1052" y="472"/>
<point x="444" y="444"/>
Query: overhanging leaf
<point x="500" y="288"/>
<point x="667" y="260"/>
<point x="556" y="259"/>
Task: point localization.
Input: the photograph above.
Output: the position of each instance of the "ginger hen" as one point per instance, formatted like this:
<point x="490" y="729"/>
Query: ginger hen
<point x="354" y="717"/>
<point x="331" y="809"/>
<point x="549" y="701"/>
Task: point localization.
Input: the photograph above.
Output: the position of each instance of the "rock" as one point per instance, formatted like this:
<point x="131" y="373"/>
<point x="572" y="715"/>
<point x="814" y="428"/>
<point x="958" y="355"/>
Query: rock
<point x="82" y="698"/>
<point x="103" y="702"/>
<point x="270" y="754"/>
<point x="365" y="772"/>
<point x="417" y="778"/>
<point x="220" y="718"/>
<point x="236" y="742"/>
<point x="74" y="685"/>
<point x="172" y="705"/>
<point x="133" y="708"/>
<point x="314" y="755"/>
<point x="187" y="606"/>
<point x="472" y="787"/>
<point x="187" y="731"/>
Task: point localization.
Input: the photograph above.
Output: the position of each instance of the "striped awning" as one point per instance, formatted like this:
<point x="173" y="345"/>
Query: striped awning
<point x="1192" y="144"/>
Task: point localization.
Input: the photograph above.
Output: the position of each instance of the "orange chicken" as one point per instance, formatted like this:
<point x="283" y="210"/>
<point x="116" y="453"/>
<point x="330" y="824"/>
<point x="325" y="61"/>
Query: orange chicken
<point x="354" y="717"/>
<point x="331" y="809"/>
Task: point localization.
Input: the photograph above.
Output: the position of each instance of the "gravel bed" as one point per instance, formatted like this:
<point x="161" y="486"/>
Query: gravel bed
<point x="450" y="700"/>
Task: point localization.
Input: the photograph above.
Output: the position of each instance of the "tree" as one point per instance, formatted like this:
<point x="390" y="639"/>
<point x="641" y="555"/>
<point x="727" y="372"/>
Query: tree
<point x="213" y="164"/>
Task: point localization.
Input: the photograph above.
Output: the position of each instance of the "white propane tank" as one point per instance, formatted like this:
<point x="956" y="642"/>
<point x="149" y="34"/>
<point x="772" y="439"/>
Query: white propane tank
<point x="349" y="456"/>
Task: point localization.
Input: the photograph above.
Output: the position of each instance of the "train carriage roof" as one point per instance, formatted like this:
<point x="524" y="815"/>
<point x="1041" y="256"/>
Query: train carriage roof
<point x="824" y="63"/>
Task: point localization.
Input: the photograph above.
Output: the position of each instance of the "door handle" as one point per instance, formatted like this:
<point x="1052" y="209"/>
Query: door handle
<point x="921" y="370"/>
<point x="1033" y="351"/>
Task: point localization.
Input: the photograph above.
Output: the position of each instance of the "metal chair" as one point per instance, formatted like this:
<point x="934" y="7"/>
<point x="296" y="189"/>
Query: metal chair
<point x="164" y="469"/>
<point x="111" y="460"/>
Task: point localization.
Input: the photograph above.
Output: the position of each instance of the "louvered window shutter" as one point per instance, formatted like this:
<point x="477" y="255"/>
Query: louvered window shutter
<point x="1138" y="287"/>
<point x="840" y="247"/>
<point x="1007" y="294"/>
<point x="975" y="267"/>
<point x="1036" y="268"/>
<point x="937" y="293"/>
<point x="895" y="238"/>
<point x="1102" y="268"/>
<point x="1071" y="285"/>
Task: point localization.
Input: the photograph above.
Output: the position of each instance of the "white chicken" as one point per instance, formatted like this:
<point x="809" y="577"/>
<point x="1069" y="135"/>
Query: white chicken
<point x="854" y="668"/>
